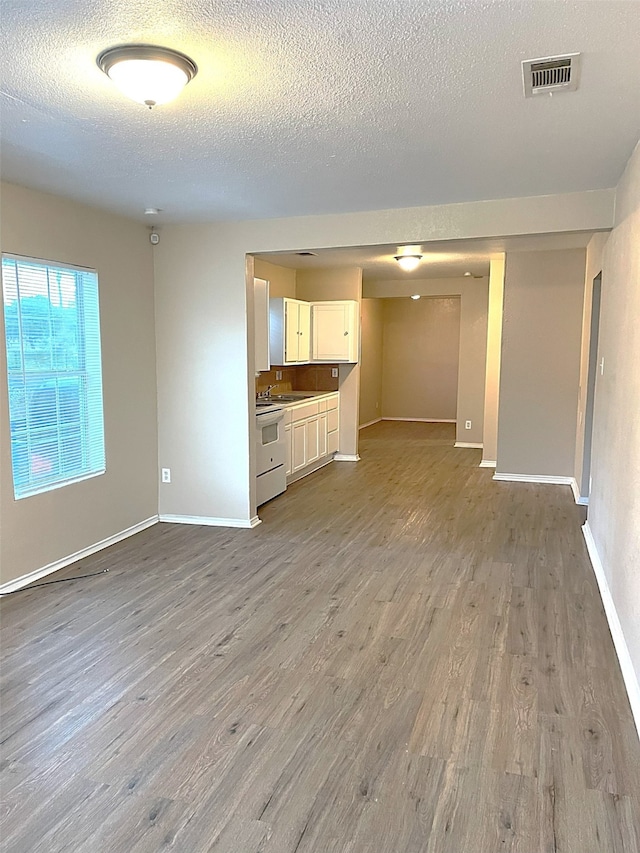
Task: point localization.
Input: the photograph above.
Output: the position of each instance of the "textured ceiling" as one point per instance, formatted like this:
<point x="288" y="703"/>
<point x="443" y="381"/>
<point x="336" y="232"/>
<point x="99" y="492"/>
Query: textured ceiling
<point x="440" y="259"/>
<point x="317" y="106"/>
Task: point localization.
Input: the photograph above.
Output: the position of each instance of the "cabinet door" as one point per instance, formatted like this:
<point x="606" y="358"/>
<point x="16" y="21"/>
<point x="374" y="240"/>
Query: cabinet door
<point x="261" y="317"/>
<point x="322" y="435"/>
<point x="304" y="331"/>
<point x="313" y="443"/>
<point x="287" y="458"/>
<point x="291" y="331"/>
<point x="298" y="446"/>
<point x="334" y="334"/>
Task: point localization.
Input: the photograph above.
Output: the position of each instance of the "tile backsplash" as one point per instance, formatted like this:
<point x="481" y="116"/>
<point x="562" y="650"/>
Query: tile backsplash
<point x="301" y="377"/>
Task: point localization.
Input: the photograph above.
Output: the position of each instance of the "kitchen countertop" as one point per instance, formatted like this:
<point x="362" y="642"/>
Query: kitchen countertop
<point x="302" y="397"/>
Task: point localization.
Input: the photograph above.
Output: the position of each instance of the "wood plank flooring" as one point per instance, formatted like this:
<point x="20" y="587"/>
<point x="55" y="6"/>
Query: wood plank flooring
<point x="406" y="657"/>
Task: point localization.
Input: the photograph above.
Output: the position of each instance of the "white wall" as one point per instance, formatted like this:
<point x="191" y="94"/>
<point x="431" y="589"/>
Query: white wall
<point x="595" y="256"/>
<point x="614" y="504"/>
<point x="282" y="280"/>
<point x="421" y="354"/>
<point x="473" y="339"/>
<point x="48" y="527"/>
<point x="371" y="361"/>
<point x="540" y="364"/>
<point x="493" y="360"/>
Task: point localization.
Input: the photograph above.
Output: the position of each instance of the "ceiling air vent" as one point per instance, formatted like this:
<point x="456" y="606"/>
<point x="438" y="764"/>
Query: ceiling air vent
<point x="551" y="74"/>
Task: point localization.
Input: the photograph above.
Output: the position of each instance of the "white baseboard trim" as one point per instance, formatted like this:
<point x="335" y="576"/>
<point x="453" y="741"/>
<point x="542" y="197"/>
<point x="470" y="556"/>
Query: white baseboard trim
<point x="488" y="463"/>
<point x="533" y="478"/>
<point x="470" y="444"/>
<point x="576" y="493"/>
<point x="207" y="521"/>
<point x="622" y="650"/>
<point x="31" y="577"/>
<point x="424" y="420"/>
<point x="346" y="457"/>
<point x="370" y="423"/>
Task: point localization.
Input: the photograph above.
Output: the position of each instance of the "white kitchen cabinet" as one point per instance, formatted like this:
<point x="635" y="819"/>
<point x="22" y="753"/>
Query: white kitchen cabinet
<point x="289" y="331"/>
<point x="287" y="458"/>
<point x="312" y="433"/>
<point x="298" y="445"/>
<point x="261" y="324"/>
<point x="334" y="331"/>
<point x="312" y="427"/>
<point x="322" y="435"/>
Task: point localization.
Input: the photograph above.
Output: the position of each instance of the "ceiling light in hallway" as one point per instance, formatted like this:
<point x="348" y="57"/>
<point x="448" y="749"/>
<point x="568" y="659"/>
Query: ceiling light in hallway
<point x="408" y="257"/>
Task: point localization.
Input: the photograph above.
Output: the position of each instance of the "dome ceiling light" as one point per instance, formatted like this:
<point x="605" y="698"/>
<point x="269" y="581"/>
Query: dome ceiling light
<point x="146" y="73"/>
<point x="408" y="258"/>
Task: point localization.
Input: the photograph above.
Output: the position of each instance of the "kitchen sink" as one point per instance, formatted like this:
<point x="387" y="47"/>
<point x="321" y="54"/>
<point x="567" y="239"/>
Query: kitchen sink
<point x="290" y="398"/>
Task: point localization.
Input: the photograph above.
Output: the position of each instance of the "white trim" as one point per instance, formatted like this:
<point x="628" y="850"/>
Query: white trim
<point x="370" y="423"/>
<point x="424" y="420"/>
<point x="488" y="463"/>
<point x="576" y="493"/>
<point x="31" y="577"/>
<point x="346" y="457"/>
<point x="534" y="478"/>
<point x="207" y="521"/>
<point x="471" y="444"/>
<point x="617" y="634"/>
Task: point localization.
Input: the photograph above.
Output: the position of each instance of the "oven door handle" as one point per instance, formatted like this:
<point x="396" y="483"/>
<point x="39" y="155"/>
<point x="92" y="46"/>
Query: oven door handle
<point x="268" y="418"/>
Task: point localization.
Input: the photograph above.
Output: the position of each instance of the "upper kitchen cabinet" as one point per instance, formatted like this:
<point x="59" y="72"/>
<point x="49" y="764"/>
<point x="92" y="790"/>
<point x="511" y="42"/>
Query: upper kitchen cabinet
<point x="289" y="331"/>
<point x="334" y="331"/>
<point x="261" y="307"/>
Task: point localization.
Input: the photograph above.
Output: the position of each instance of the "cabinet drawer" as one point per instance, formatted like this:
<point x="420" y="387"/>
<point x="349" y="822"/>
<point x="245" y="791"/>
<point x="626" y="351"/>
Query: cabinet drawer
<point x="332" y="402"/>
<point x="300" y="413"/>
<point x="333" y="420"/>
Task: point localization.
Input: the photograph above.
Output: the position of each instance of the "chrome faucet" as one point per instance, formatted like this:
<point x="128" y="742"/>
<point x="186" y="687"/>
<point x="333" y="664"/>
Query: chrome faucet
<point x="264" y="395"/>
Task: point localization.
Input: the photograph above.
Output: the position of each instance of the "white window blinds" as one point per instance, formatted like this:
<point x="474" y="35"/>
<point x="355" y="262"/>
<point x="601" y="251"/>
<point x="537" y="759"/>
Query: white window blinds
<point x="52" y="333"/>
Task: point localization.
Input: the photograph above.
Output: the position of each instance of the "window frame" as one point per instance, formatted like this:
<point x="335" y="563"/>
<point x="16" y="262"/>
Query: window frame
<point x="89" y="430"/>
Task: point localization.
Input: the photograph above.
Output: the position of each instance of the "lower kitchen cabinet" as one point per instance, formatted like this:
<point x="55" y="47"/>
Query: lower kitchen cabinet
<point x="299" y="446"/>
<point x="312" y="434"/>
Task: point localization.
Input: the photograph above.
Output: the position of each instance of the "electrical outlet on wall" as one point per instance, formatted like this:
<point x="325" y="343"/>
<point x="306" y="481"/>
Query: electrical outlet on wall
<point x="278" y="374"/>
<point x="165" y="475"/>
<point x="334" y="372"/>
<point x="467" y="424"/>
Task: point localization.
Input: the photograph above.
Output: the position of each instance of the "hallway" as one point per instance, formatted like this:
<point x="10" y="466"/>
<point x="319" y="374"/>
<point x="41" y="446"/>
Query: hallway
<point x="405" y="657"/>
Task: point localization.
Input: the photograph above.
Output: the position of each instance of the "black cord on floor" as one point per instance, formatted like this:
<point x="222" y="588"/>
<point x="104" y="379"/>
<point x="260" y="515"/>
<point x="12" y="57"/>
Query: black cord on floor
<point x="46" y="583"/>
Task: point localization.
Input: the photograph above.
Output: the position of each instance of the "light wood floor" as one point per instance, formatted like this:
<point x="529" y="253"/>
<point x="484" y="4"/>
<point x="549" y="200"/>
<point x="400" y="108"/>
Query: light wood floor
<point x="406" y="657"/>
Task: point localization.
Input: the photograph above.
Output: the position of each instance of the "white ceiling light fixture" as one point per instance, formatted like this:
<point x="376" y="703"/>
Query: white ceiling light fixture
<point x="408" y="258"/>
<point x="146" y="73"/>
<point x="415" y="296"/>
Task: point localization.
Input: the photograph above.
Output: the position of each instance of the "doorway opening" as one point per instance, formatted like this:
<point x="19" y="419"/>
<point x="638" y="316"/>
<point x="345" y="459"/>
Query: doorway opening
<point x="585" y="482"/>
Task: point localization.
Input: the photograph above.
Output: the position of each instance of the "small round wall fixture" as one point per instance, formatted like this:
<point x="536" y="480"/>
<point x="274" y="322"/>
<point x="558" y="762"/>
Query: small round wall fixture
<point x="147" y="73"/>
<point x="415" y="296"/>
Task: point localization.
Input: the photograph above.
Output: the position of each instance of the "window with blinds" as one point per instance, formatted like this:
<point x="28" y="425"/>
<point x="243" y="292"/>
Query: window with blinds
<point x="52" y="334"/>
